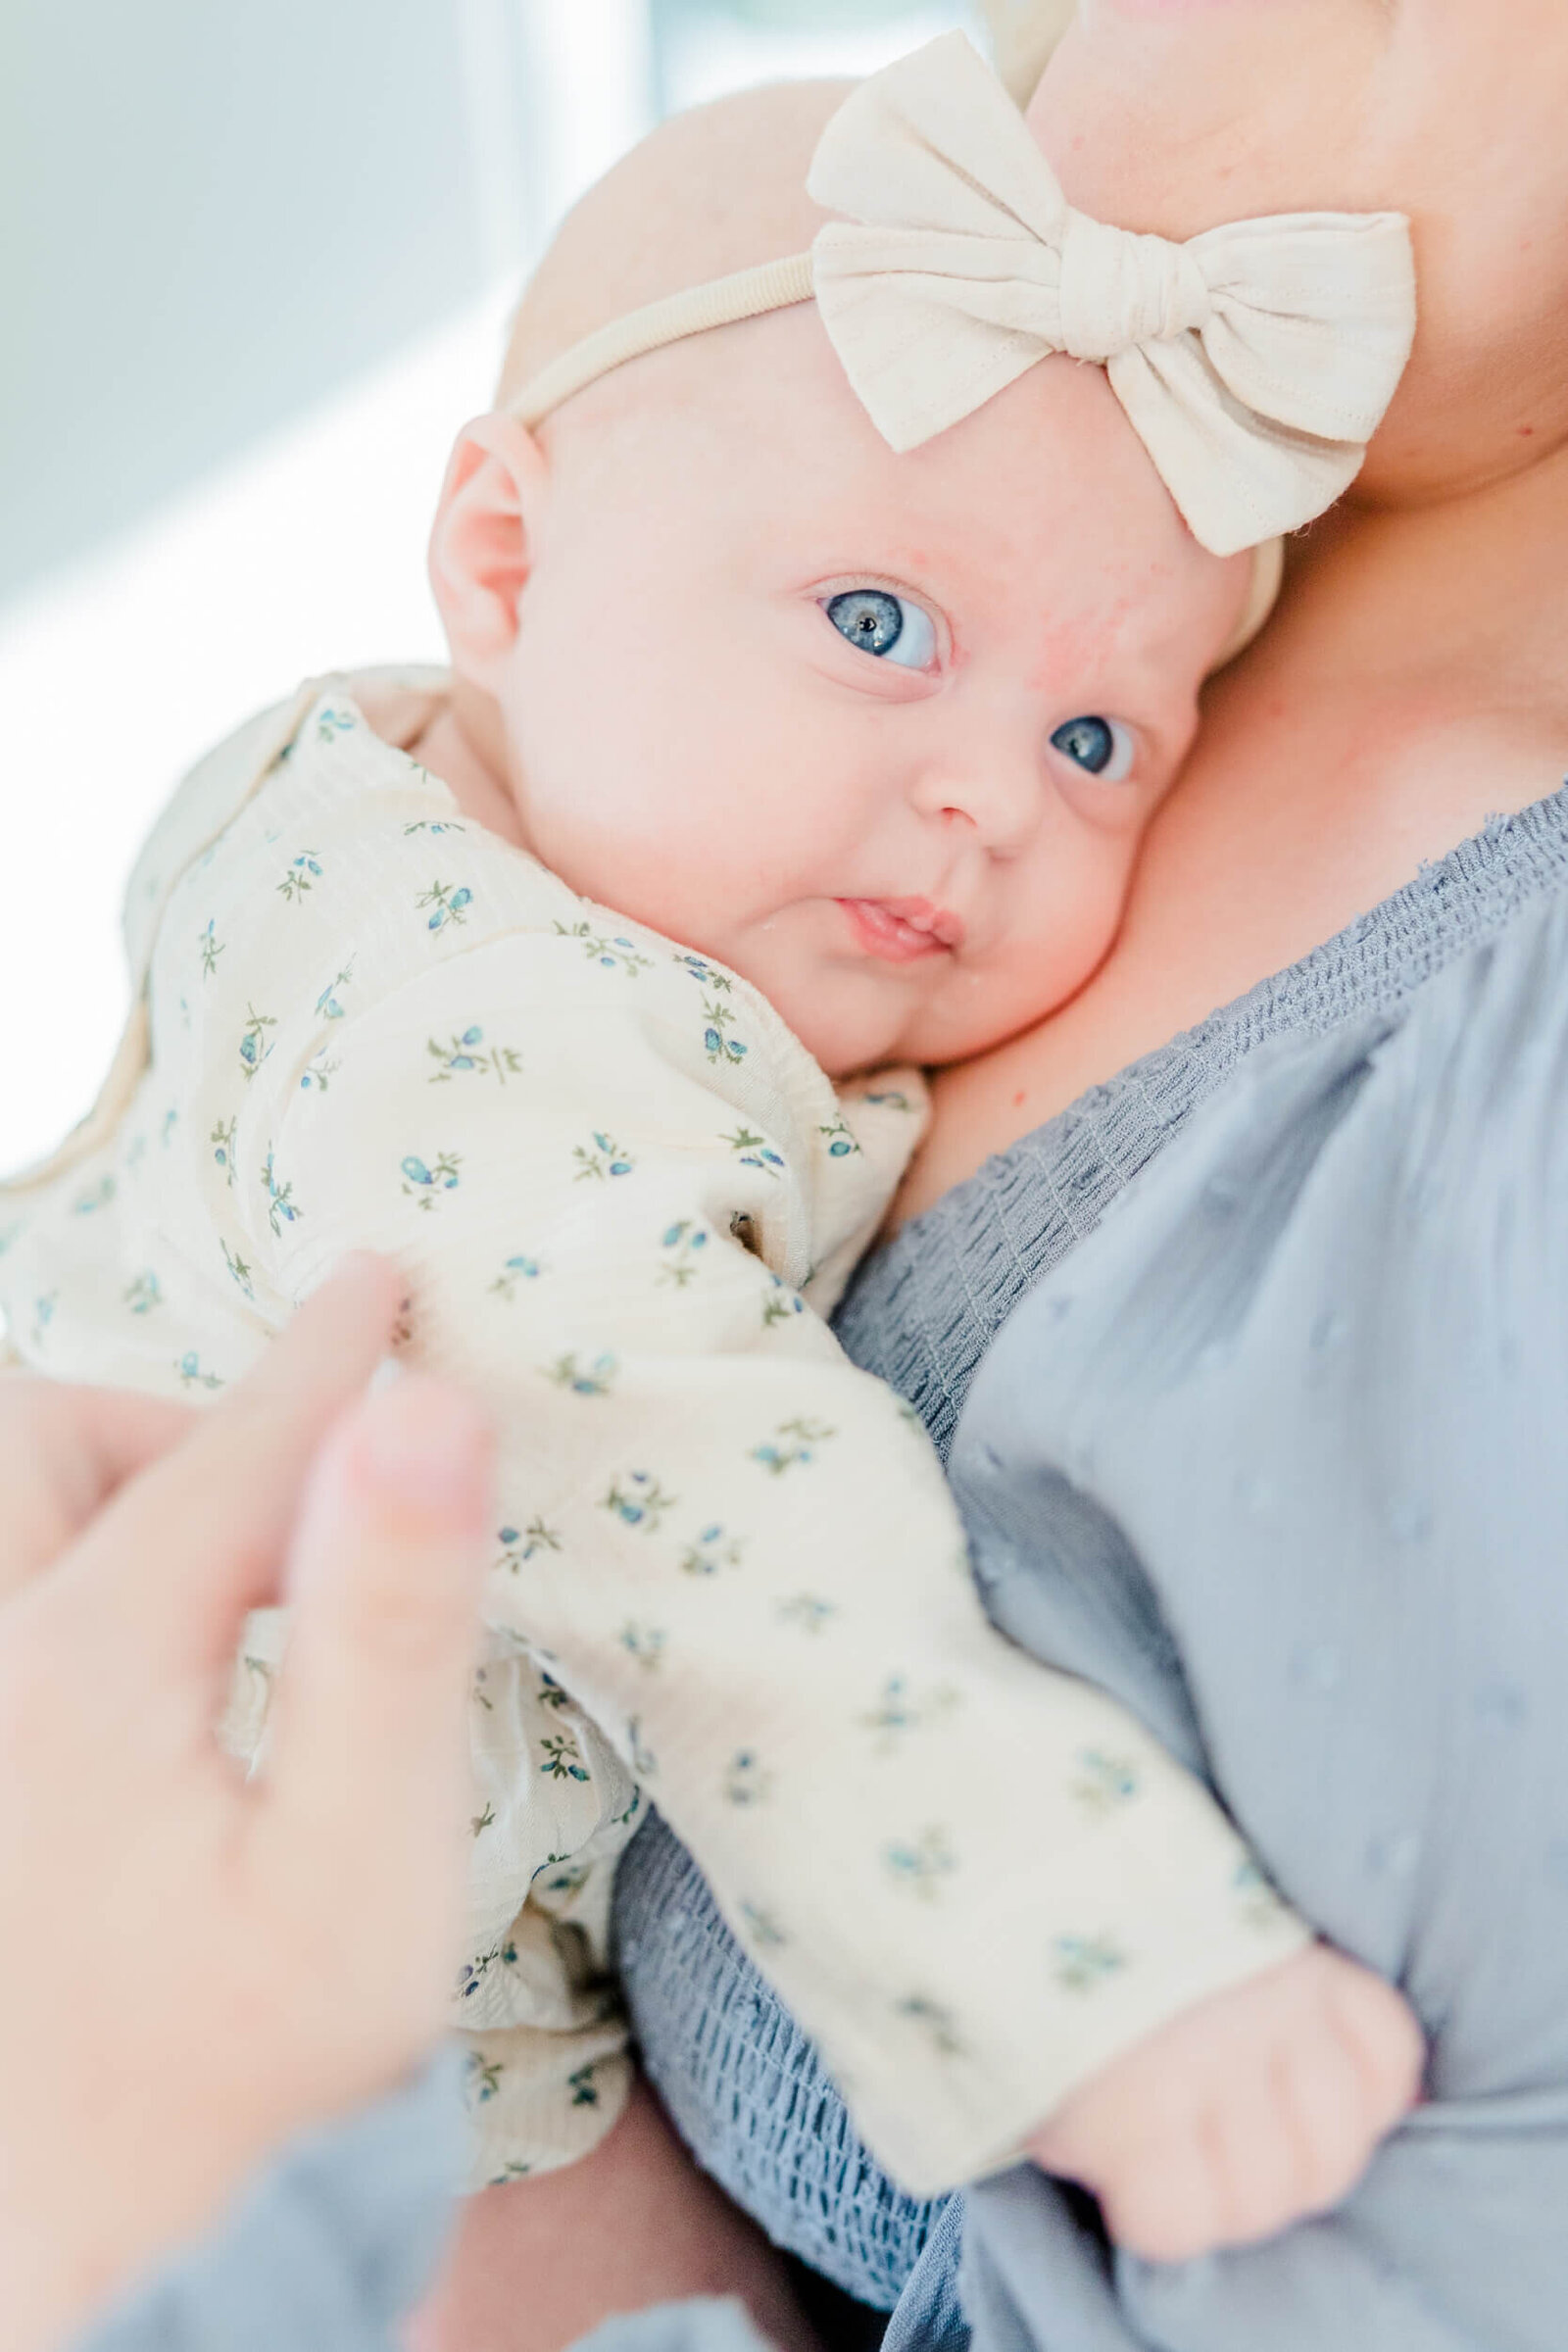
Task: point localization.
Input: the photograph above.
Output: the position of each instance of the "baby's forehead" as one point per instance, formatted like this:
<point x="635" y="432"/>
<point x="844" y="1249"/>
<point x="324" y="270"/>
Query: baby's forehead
<point x="715" y="190"/>
<point x="1045" y="480"/>
<point x="1044" y="491"/>
<point x="762" y="413"/>
<point x="1039" y="519"/>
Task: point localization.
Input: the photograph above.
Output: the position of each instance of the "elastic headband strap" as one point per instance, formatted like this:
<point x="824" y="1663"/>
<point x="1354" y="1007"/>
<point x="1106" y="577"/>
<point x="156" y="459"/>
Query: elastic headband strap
<point x="748" y="294"/>
<point x="771" y="287"/>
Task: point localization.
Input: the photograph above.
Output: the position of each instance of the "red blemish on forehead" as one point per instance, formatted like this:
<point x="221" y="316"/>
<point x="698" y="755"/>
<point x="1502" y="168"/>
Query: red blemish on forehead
<point x="1078" y="644"/>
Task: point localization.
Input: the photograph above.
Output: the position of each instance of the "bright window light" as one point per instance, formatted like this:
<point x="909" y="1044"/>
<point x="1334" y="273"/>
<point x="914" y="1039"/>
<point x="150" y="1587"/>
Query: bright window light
<point x="306" y="554"/>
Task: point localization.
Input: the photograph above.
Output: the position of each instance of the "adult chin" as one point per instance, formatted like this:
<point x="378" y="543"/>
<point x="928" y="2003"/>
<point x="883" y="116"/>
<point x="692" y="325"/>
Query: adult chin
<point x="1172" y="116"/>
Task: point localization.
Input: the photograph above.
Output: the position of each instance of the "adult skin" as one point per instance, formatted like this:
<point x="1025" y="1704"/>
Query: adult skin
<point x="134" y="1537"/>
<point x="1412" y="681"/>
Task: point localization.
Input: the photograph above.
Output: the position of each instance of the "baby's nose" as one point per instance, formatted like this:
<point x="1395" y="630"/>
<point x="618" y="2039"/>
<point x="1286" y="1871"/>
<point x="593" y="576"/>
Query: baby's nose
<point x="996" y="793"/>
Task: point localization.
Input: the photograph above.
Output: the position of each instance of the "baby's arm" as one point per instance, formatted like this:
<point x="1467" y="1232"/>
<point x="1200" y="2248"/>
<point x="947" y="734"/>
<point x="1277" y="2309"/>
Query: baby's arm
<point x="974" y="1878"/>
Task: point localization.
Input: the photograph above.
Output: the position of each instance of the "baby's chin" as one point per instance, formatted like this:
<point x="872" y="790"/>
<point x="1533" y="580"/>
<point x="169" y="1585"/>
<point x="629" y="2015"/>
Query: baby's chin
<point x="855" y="1014"/>
<point x="838" y="1020"/>
<point x="849" y="1037"/>
<point x="845" y="1050"/>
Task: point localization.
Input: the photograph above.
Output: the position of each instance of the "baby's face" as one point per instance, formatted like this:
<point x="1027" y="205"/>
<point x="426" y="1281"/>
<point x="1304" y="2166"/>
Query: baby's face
<point x="881" y="733"/>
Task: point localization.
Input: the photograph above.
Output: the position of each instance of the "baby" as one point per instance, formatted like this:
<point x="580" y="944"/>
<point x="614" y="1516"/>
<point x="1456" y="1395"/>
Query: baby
<point x="812" y="681"/>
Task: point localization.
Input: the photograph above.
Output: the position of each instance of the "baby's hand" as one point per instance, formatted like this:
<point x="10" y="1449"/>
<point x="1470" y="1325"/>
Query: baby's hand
<point x="1246" y="2112"/>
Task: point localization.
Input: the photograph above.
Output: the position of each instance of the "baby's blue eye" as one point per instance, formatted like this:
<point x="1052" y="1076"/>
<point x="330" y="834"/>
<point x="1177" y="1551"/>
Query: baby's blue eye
<point x="892" y="627"/>
<point x="1102" y="746"/>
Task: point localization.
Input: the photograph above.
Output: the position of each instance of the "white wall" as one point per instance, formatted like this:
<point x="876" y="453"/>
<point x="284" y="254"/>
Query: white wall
<point x="296" y="543"/>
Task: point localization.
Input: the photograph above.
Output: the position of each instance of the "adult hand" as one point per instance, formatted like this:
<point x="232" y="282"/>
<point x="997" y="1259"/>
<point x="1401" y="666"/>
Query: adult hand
<point x="192" y="1967"/>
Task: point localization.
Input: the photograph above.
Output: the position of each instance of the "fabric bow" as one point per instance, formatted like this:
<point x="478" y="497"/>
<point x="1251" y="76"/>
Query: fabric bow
<point x="1254" y="362"/>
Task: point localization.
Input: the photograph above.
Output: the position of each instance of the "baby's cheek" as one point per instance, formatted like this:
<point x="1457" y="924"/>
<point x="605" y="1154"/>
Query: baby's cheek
<point x="1060" y="935"/>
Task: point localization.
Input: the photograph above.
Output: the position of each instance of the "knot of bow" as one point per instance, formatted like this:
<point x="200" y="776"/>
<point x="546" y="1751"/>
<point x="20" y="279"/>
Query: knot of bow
<point x="1118" y="290"/>
<point x="1254" y="362"/>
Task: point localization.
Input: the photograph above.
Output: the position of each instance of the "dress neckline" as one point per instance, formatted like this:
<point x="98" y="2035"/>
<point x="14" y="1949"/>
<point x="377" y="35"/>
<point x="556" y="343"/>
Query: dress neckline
<point x="923" y="1309"/>
<point x="1373" y="960"/>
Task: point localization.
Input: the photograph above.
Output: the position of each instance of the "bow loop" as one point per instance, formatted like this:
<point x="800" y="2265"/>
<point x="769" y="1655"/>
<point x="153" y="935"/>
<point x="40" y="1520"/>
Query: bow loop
<point x="1118" y="290"/>
<point x="1253" y="364"/>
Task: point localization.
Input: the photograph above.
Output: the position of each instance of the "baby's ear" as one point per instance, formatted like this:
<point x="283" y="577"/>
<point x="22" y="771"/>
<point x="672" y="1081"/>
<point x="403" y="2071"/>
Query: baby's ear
<point x="481" y="541"/>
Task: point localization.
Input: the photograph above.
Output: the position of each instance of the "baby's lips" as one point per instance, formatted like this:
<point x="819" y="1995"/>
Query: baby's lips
<point x="923" y="914"/>
<point x="902" y="929"/>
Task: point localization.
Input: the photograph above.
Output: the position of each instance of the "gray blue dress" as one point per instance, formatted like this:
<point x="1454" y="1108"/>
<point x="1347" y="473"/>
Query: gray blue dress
<point x="1280" y="1457"/>
<point x="1272" y="1442"/>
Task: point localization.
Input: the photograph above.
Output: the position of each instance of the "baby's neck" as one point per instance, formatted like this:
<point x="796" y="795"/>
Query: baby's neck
<point x="463" y="746"/>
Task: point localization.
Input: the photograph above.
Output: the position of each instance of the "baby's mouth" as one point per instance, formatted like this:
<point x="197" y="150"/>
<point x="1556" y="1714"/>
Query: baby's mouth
<point x="903" y="930"/>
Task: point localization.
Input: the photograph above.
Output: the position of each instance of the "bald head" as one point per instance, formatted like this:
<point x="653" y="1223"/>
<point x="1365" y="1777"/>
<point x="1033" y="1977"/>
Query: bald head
<point x="710" y="192"/>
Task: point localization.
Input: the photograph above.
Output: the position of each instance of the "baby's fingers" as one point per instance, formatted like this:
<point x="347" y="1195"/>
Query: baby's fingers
<point x="1381" y="2035"/>
<point x="1333" y="2125"/>
<point x="1345" y="2076"/>
<point x="1140" y="2138"/>
<point x="1250" y="2111"/>
<point x="1164" y="2200"/>
<point x="1279" y="2144"/>
<point x="1246" y="2168"/>
<point x="1275" y="2143"/>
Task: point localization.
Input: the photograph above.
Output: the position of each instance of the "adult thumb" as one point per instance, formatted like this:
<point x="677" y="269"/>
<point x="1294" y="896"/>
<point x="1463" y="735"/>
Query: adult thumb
<point x="367" y="1771"/>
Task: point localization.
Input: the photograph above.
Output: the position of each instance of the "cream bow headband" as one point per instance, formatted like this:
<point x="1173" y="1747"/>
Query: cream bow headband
<point x="1253" y="362"/>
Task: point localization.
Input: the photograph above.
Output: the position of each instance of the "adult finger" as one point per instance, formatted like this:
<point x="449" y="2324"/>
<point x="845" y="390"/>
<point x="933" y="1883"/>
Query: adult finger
<point x="368" y="1768"/>
<point x="62" y="1452"/>
<point x="167" y="1571"/>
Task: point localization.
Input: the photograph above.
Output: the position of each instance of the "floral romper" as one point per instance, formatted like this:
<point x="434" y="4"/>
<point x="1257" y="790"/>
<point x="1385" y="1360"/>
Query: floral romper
<point x="727" y="1571"/>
